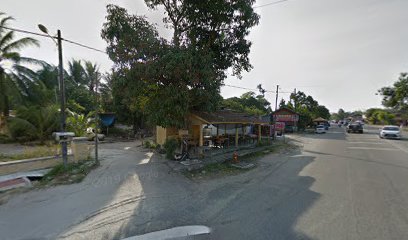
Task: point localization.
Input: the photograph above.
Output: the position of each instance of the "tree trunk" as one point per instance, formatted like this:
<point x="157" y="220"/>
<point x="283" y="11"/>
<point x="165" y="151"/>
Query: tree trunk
<point x="5" y="106"/>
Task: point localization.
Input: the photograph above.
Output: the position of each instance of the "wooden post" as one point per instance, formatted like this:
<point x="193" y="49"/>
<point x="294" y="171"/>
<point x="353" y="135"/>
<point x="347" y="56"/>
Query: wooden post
<point x="218" y="126"/>
<point x="236" y="135"/>
<point x="225" y="129"/>
<point x="259" y="133"/>
<point x="201" y="140"/>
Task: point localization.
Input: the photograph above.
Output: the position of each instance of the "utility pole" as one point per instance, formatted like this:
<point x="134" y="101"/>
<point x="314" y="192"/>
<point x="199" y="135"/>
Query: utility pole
<point x="62" y="89"/>
<point x="96" y="120"/>
<point x="62" y="95"/>
<point x="276" y="100"/>
<point x="295" y="103"/>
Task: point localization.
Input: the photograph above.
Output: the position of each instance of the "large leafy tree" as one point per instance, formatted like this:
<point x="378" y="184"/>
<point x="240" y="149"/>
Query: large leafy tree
<point x="15" y="77"/>
<point x="308" y="108"/>
<point x="396" y="96"/>
<point x="250" y="103"/>
<point x="170" y="78"/>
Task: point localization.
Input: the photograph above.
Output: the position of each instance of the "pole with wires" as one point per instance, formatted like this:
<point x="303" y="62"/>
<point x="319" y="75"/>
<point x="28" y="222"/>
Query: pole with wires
<point x="96" y="120"/>
<point x="276" y="100"/>
<point x="62" y="96"/>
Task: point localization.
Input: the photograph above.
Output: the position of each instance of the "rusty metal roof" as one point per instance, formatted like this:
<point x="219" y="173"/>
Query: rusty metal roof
<point x="228" y="116"/>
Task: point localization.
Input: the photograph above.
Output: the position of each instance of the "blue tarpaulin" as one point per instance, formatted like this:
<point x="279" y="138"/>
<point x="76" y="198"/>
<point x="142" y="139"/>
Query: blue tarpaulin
<point x="107" y="119"/>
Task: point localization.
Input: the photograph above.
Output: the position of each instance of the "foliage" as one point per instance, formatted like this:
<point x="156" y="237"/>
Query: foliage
<point x="248" y="103"/>
<point x="14" y="76"/>
<point x="72" y="173"/>
<point x="163" y="81"/>
<point x="308" y="109"/>
<point x="396" y="97"/>
<point x="170" y="146"/>
<point x="34" y="122"/>
<point x="380" y="116"/>
<point x="151" y="145"/>
<point x="78" y="123"/>
<point x="106" y="96"/>
<point x="20" y="129"/>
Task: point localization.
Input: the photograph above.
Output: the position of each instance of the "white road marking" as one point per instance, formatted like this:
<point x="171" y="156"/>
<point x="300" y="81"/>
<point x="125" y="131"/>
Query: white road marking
<point x="370" y="148"/>
<point x="176" y="232"/>
<point x="365" y="142"/>
<point x="299" y="155"/>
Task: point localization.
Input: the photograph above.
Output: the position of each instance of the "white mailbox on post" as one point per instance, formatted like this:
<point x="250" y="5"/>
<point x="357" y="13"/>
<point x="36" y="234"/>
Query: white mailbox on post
<point x="63" y="136"/>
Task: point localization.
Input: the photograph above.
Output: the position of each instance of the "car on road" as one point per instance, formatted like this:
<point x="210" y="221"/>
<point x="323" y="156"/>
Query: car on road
<point x="289" y="129"/>
<point x="320" y="129"/>
<point x="390" y="131"/>
<point x="355" y="128"/>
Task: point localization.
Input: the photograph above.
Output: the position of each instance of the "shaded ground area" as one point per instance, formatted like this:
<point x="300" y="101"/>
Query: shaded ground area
<point x="338" y="186"/>
<point x="134" y="192"/>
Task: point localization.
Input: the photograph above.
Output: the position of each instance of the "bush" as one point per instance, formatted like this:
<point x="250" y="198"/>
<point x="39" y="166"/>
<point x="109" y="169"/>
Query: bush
<point x="170" y="146"/>
<point x="147" y="144"/>
<point x="20" y="129"/>
<point x="34" y="122"/>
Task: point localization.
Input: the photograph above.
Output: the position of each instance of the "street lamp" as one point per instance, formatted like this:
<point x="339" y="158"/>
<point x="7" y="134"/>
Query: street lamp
<point x="62" y="87"/>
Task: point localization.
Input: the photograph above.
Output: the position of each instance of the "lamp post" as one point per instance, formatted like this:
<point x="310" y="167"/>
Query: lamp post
<point x="61" y="86"/>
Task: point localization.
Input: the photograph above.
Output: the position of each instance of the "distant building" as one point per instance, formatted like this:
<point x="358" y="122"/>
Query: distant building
<point x="287" y="116"/>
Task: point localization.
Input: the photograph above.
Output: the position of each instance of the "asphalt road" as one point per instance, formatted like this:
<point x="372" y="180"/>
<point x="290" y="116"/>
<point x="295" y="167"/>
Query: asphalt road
<point x="337" y="186"/>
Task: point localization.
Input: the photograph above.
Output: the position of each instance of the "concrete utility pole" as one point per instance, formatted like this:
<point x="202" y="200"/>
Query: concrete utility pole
<point x="62" y="89"/>
<point x="96" y="120"/>
<point x="276" y="100"/>
<point x="62" y="95"/>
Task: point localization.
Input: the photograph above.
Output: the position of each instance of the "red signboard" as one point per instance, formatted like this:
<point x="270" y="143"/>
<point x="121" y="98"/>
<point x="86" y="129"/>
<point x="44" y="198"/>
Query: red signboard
<point x="286" y="117"/>
<point x="279" y="125"/>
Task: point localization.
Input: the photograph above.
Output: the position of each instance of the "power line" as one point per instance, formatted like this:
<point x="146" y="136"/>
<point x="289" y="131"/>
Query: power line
<point x="253" y="89"/>
<point x="271" y="3"/>
<point x="45" y="35"/>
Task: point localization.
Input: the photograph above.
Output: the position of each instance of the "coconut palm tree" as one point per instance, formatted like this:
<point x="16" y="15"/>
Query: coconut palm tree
<point x="92" y="75"/>
<point x="14" y="76"/>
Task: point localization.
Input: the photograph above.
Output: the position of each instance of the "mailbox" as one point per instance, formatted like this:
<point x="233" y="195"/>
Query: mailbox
<point x="63" y="136"/>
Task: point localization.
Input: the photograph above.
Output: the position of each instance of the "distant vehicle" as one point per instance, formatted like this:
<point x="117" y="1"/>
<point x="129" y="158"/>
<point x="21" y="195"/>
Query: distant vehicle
<point x="355" y="128"/>
<point x="320" y="129"/>
<point x="289" y="129"/>
<point x="326" y="125"/>
<point x="390" y="132"/>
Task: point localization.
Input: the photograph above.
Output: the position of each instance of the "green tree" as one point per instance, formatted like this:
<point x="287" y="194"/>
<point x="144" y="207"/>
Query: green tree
<point x="396" y="97"/>
<point x="14" y="76"/>
<point x="249" y="103"/>
<point x="34" y="123"/>
<point x="380" y="116"/>
<point x="170" y="79"/>
<point x="308" y="108"/>
<point x="80" y="85"/>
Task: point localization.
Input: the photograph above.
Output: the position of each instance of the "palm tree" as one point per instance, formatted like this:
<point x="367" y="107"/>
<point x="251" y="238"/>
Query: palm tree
<point x="92" y="75"/>
<point x="14" y="77"/>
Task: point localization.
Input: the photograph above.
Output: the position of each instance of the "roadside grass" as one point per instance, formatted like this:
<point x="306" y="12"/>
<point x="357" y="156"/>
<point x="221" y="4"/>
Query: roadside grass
<point x="72" y="173"/>
<point x="226" y="169"/>
<point x="213" y="170"/>
<point x="32" y="152"/>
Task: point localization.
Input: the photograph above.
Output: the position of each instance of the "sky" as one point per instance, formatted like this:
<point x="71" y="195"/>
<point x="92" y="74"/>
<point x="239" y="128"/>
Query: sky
<point x="338" y="51"/>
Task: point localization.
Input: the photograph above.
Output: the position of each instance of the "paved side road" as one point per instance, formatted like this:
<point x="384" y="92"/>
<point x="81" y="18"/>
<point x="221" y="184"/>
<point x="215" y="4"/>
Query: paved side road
<point x="104" y="198"/>
<point x="340" y="186"/>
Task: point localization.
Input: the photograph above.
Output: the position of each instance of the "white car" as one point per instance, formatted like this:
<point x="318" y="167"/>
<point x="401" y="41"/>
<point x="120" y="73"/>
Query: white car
<point x="320" y="129"/>
<point x="390" y="132"/>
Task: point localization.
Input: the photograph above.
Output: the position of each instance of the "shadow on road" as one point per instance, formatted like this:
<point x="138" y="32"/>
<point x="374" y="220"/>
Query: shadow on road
<point x="264" y="203"/>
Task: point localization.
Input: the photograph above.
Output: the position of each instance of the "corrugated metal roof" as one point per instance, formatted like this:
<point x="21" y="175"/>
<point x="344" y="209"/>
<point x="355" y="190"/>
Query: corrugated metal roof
<point x="229" y="116"/>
